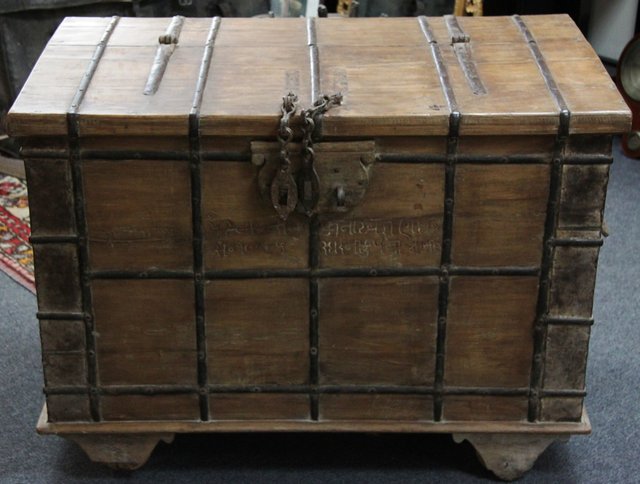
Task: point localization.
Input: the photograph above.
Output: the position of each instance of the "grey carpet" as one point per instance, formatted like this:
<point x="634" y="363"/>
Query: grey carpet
<point x="610" y="455"/>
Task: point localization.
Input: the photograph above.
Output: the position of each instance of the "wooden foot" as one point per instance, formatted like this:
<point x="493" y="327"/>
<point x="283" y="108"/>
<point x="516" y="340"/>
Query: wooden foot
<point x="119" y="451"/>
<point x="509" y="456"/>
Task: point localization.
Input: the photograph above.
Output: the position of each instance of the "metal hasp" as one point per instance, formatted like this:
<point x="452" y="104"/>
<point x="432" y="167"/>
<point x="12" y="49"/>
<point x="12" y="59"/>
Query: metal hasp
<point x="345" y="182"/>
<point x="461" y="44"/>
<point x="167" y="44"/>
<point x="342" y="168"/>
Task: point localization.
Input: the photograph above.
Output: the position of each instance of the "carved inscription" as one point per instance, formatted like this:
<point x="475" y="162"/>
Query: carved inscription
<point x="381" y="241"/>
<point x="237" y="239"/>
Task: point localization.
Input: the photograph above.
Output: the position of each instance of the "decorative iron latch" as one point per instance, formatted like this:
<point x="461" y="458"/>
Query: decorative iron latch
<point x="311" y="177"/>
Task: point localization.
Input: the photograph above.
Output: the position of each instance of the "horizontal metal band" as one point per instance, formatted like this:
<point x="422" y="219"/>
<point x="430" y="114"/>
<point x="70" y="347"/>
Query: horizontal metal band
<point x="376" y="272"/>
<point x="494" y="271"/>
<point x="53" y="239"/>
<point x="588" y="160"/>
<point x="61" y="316"/>
<point x="304" y="389"/>
<point x="320" y="273"/>
<point x="66" y="390"/>
<point x="411" y="158"/>
<point x="153" y="155"/>
<point x="568" y="321"/>
<point x="563" y="393"/>
<point x="150" y="274"/>
<point x="486" y="391"/>
<point x="577" y="242"/>
<point x="147" y="389"/>
<point x="116" y="154"/>
<point x="537" y="159"/>
<point x="256" y="273"/>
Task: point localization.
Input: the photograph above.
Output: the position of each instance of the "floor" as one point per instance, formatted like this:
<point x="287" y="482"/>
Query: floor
<point x="610" y="455"/>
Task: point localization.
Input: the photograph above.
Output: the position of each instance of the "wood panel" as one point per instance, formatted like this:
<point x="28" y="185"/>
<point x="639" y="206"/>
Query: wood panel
<point x="377" y="331"/>
<point x="433" y="145"/>
<point x="566" y="357"/>
<point x="51" y="198"/>
<point x="125" y="67"/>
<point x="257" y="331"/>
<point x="492" y="408"/>
<point x="561" y="409"/>
<point x="268" y="72"/>
<point x="252" y="406"/>
<point x="57" y="277"/>
<point x="41" y="107"/>
<point x="145" y="332"/>
<point x="68" y="408"/>
<point x="143" y="220"/>
<point x="64" y="368"/>
<point x="150" y="407"/>
<point x="573" y="280"/>
<point x="61" y="335"/>
<point x="497" y="145"/>
<point x="397" y="224"/>
<point x="499" y="214"/>
<point x="517" y="100"/>
<point x="376" y="407"/>
<point x="595" y="103"/>
<point x="582" y="196"/>
<point x="410" y="101"/>
<point x="490" y="331"/>
<point x="241" y="230"/>
<point x="255" y="62"/>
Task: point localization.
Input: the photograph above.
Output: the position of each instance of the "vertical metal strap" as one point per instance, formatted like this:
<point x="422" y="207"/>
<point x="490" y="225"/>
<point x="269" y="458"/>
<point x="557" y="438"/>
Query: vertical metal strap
<point x="542" y="308"/>
<point x="81" y="220"/>
<point x="447" y="225"/>
<point x="313" y="57"/>
<point x="314" y="226"/>
<point x="196" y="215"/>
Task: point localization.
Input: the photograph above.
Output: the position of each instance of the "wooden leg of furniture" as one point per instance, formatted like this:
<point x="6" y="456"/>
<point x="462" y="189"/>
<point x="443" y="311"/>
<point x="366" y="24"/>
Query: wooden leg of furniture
<point x="119" y="451"/>
<point x="509" y="456"/>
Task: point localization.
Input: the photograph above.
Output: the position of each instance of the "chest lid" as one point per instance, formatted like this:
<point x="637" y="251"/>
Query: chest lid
<point x="398" y="76"/>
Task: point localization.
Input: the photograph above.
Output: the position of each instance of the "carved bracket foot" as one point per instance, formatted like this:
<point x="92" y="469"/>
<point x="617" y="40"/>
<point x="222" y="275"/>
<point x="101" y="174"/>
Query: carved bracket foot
<point x="119" y="451"/>
<point x="509" y="456"/>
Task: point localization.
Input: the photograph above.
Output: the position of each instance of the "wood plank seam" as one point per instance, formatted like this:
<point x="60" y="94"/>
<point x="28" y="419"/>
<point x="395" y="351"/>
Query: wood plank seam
<point x="542" y="309"/>
<point x="196" y="214"/>
<point x="81" y="221"/>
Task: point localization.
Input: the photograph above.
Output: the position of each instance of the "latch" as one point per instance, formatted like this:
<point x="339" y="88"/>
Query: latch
<point x="461" y="44"/>
<point x="343" y="169"/>
<point x="311" y="177"/>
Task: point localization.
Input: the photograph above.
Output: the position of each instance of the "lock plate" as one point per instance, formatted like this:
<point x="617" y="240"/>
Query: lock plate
<point x="343" y="169"/>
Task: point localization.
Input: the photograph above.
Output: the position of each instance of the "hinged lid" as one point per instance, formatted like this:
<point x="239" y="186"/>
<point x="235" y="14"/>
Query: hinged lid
<point x="398" y="76"/>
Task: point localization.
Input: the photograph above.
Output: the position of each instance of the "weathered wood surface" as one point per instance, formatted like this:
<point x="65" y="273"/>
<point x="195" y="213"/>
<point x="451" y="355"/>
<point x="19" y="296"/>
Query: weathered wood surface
<point x="272" y="58"/>
<point x="368" y="345"/>
<point x="125" y="452"/>
<point x="46" y="426"/>
<point x="508" y="456"/>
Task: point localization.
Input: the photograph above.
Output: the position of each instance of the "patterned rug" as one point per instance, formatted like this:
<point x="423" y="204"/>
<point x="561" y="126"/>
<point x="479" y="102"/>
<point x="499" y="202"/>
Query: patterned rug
<point x="16" y="254"/>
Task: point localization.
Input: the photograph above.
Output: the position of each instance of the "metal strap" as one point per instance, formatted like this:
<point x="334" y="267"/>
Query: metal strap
<point x="542" y="308"/>
<point x="313" y="390"/>
<point x="81" y="220"/>
<point x="196" y="214"/>
<point x="447" y="226"/>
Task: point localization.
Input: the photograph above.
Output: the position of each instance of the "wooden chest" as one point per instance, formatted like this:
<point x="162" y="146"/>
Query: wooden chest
<point x="322" y="225"/>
